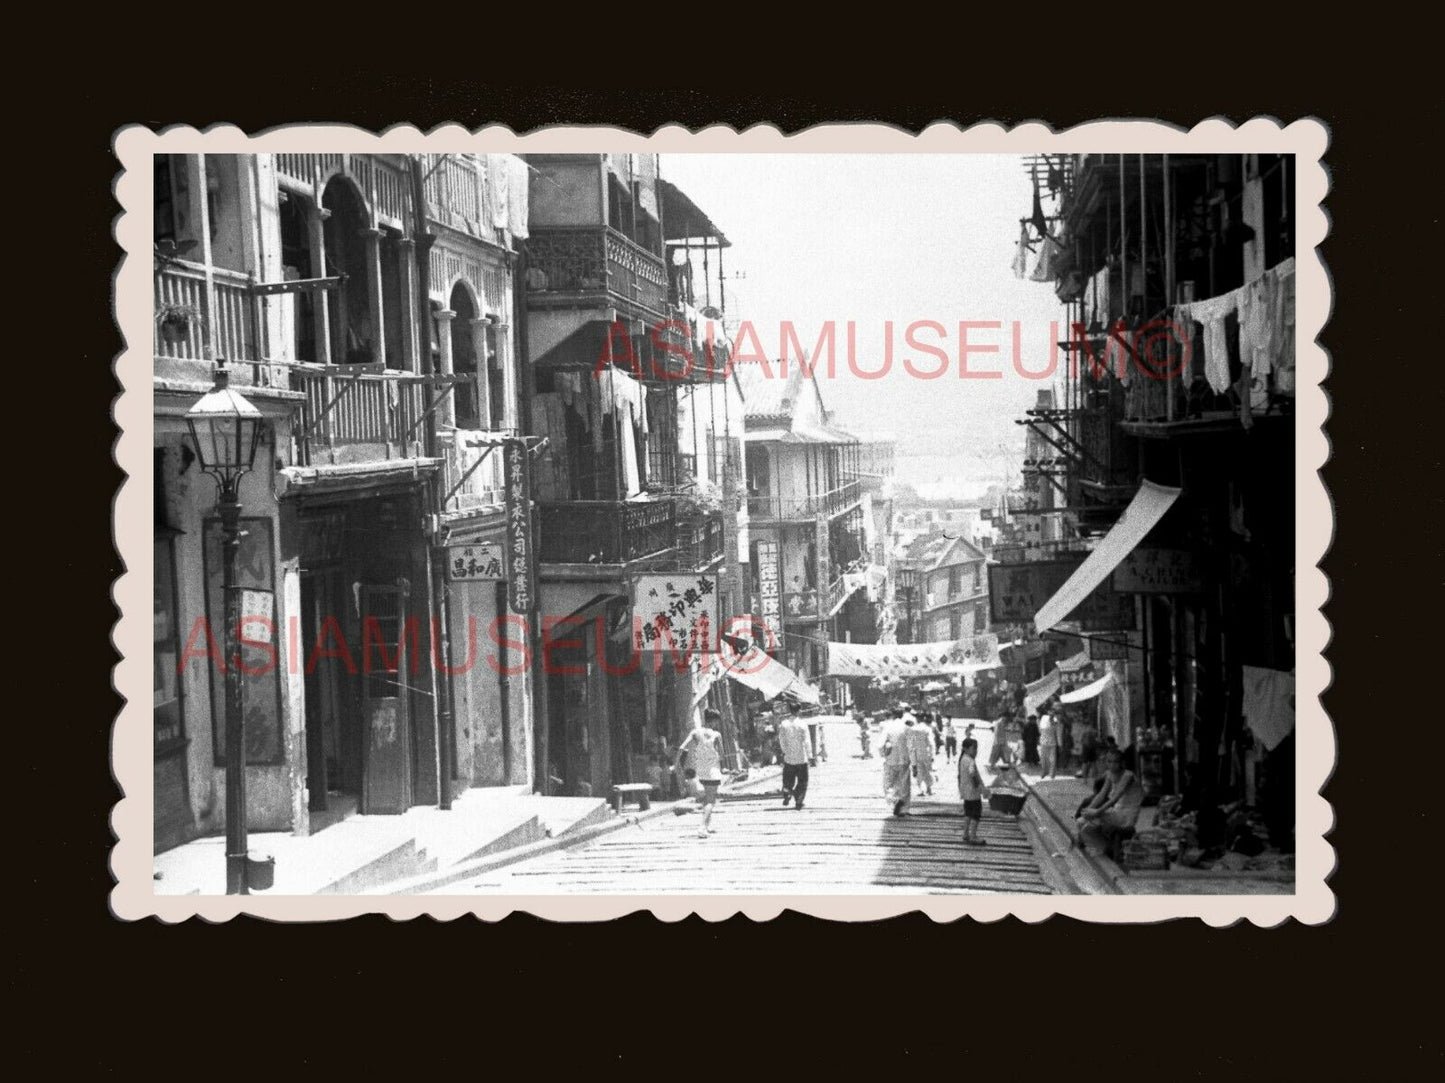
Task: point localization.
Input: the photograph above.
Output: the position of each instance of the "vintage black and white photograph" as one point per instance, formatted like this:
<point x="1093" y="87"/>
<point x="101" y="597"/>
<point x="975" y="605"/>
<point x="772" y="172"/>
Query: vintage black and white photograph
<point x="625" y="518"/>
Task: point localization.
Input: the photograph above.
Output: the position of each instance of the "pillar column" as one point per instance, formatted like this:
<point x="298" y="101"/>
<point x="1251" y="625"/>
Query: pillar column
<point x="321" y="309"/>
<point x="410" y="322"/>
<point x="371" y="239"/>
<point x="447" y="411"/>
<point x="482" y="392"/>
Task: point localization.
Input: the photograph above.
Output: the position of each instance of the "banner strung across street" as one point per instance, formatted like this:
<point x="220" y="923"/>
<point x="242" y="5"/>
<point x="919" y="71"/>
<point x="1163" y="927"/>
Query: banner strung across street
<point x="967" y="655"/>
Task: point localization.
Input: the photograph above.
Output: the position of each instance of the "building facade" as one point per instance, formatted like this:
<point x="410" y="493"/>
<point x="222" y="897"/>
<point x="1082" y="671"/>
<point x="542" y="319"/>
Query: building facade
<point x="1177" y="273"/>
<point x="810" y="550"/>
<point x="639" y="427"/>
<point x="364" y="304"/>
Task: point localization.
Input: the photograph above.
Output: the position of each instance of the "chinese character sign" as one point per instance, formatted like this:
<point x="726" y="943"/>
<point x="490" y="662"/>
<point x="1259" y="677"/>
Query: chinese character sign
<point x="474" y="562"/>
<point x="517" y="547"/>
<point x="677" y="612"/>
<point x="769" y="588"/>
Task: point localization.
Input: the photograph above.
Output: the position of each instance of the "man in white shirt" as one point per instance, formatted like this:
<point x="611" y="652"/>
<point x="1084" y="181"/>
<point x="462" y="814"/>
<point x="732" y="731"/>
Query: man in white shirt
<point x="793" y="739"/>
<point x="1048" y="741"/>
<point x="898" y="760"/>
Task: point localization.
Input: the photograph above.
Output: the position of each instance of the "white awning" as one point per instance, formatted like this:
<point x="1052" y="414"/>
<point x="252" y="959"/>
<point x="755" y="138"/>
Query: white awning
<point x="1144" y="511"/>
<point x="1089" y="691"/>
<point x="1041" y="690"/>
<point x="757" y="671"/>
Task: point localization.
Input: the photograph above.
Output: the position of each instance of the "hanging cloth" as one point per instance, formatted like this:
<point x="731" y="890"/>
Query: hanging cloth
<point x="1037" y="219"/>
<point x="1046" y="269"/>
<point x="1284" y="373"/>
<point x="1268" y="704"/>
<point x="1021" y="255"/>
<point x="1213" y="314"/>
<point x="631" y="474"/>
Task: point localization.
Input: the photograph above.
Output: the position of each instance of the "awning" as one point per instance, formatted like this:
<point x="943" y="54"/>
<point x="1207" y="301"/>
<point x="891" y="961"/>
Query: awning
<point x="1074" y="664"/>
<point x="757" y="671"/>
<point x="682" y="219"/>
<point x="1041" y="690"/>
<point x="1143" y="513"/>
<point x="1089" y="691"/>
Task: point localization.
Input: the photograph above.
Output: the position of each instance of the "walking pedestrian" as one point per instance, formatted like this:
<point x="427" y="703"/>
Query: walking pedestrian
<point x="1048" y="742"/>
<point x="1031" y="741"/>
<point x="793" y="738"/>
<point x="864" y="737"/>
<point x="950" y="740"/>
<point x="704" y="744"/>
<point x="897" y="759"/>
<point x="937" y="733"/>
<point x="970" y="791"/>
<point x="923" y="752"/>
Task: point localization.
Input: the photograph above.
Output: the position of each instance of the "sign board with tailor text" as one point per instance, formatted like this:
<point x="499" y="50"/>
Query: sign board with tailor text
<point x="1017" y="591"/>
<point x="1159" y="571"/>
<point x="519" y="562"/>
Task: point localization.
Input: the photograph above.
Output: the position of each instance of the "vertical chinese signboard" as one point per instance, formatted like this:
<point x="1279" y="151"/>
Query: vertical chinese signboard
<point x="675" y="611"/>
<point x="517" y="551"/>
<point x="770" y="593"/>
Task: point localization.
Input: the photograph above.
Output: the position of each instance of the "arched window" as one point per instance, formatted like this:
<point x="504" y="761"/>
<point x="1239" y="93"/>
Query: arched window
<point x="352" y="325"/>
<point x="464" y="357"/>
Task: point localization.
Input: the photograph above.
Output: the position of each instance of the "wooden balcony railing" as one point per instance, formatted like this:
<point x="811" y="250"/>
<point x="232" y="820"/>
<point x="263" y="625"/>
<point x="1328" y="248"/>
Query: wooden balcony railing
<point x="805" y="507"/>
<point x="579" y="263"/>
<point x="181" y="292"/>
<point x="370" y="409"/>
<point x="605" y="531"/>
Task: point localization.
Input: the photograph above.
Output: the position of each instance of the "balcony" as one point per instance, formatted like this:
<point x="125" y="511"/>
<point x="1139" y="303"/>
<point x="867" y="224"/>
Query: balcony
<point x="605" y="531"/>
<point x="184" y="317"/>
<point x="594" y="266"/>
<point x="350" y="416"/>
<point x="700" y="543"/>
<point x="788" y="508"/>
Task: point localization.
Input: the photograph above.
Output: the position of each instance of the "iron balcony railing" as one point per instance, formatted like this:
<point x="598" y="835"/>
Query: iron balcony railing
<point x="595" y="263"/>
<point x="605" y="531"/>
<point x="805" y="507"/>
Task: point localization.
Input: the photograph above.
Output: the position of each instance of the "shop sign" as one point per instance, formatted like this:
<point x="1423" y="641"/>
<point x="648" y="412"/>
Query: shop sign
<point x="675" y="612"/>
<point x="770" y="592"/>
<point x="517" y="550"/>
<point x="1159" y="571"/>
<point x="475" y="562"/>
<point x="1017" y="591"/>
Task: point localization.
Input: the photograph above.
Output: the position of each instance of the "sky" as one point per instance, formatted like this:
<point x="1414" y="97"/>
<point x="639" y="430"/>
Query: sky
<point x="873" y="238"/>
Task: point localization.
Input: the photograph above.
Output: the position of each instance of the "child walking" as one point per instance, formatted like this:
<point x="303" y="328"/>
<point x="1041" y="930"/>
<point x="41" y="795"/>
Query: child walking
<point x="970" y="790"/>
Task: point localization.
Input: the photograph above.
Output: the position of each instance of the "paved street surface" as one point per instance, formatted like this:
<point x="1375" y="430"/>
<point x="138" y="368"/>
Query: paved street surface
<point x="845" y="841"/>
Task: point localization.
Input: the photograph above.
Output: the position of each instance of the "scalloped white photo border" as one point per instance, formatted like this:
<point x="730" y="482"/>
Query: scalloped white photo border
<point x="131" y="859"/>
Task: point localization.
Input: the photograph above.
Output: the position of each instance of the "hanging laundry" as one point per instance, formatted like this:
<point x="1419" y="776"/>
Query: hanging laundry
<point x="1268" y="704"/>
<point x="1021" y="255"/>
<point x="499" y="176"/>
<point x="1037" y="219"/>
<point x="1046" y="269"/>
<point x="1256" y="323"/>
<point x="1056" y="178"/>
<point x="1284" y="357"/>
<point x="518" y="190"/>
<point x="1186" y="332"/>
<point x="1213" y="314"/>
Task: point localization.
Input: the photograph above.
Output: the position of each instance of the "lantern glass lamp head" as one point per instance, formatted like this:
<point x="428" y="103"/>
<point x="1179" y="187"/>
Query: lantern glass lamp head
<point x="225" y="429"/>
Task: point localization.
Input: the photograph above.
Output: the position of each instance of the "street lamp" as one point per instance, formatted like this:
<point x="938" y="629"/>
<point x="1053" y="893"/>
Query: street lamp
<point x="225" y="429"/>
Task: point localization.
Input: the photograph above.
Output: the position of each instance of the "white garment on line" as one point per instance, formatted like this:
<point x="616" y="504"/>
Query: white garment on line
<point x="1212" y="313"/>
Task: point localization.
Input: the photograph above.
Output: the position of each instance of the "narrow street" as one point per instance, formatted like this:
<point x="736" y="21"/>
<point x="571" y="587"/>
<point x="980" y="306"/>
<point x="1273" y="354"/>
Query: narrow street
<point x="845" y="841"/>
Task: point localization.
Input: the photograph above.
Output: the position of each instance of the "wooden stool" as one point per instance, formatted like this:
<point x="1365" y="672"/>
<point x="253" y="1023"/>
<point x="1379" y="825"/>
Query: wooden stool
<point x="639" y="791"/>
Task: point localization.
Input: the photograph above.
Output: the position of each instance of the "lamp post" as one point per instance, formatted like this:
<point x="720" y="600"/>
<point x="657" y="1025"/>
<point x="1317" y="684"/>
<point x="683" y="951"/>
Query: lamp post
<point x="225" y="429"/>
